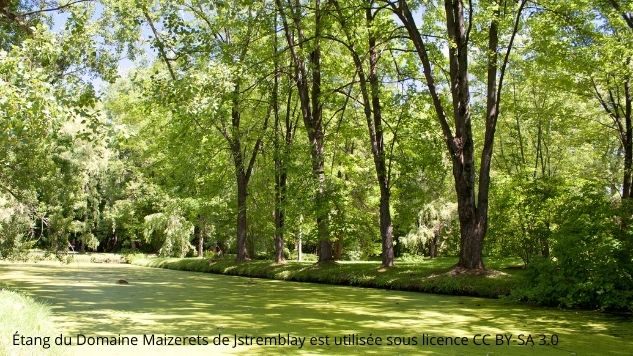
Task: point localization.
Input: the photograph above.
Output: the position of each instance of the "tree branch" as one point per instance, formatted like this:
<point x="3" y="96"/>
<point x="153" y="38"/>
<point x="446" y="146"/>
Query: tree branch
<point x="60" y="7"/>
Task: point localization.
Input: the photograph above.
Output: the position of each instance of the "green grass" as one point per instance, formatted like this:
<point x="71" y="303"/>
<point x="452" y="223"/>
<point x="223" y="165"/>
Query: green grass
<point x="85" y="298"/>
<point x="429" y="275"/>
<point x="22" y="314"/>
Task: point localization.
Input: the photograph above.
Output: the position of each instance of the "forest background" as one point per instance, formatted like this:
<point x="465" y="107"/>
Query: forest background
<point x="349" y="130"/>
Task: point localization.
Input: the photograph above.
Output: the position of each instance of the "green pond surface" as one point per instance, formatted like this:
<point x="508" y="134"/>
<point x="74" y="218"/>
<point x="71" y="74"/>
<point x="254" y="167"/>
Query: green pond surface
<point x="87" y="299"/>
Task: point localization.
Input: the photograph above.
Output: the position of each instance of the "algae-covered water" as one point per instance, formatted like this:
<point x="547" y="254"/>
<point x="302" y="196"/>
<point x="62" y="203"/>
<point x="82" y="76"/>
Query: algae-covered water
<point x="158" y="306"/>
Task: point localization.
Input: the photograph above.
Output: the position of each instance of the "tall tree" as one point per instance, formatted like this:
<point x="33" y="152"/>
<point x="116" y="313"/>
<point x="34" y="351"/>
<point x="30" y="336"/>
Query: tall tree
<point x="283" y="136"/>
<point x="309" y="92"/>
<point x="615" y="91"/>
<point x="223" y="39"/>
<point x="370" y="91"/>
<point x="472" y="200"/>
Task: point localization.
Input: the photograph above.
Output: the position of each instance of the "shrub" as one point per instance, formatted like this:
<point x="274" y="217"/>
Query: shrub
<point x="590" y="266"/>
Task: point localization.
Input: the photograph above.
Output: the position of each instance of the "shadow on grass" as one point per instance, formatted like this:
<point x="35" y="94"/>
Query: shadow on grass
<point x="86" y="299"/>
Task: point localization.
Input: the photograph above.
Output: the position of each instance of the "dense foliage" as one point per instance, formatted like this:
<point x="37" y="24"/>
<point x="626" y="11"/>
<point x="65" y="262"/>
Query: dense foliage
<point x="352" y="130"/>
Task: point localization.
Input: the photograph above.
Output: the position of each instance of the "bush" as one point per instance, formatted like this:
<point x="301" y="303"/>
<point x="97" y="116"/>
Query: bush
<point x="590" y="264"/>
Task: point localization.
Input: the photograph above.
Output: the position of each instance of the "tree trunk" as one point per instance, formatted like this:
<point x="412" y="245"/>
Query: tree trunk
<point x="200" y="246"/>
<point x="242" y="226"/>
<point x="279" y="157"/>
<point x="433" y="245"/>
<point x="471" y="245"/>
<point x="280" y="194"/>
<point x="317" y="144"/>
<point x="326" y="248"/>
<point x="472" y="226"/>
<point x="235" y="143"/>
<point x="201" y="232"/>
<point x="627" y="141"/>
<point x="300" y="243"/>
<point x="242" y="171"/>
<point x="386" y="228"/>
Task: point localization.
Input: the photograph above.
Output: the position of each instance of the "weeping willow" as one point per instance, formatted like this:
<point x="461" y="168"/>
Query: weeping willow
<point x="174" y="230"/>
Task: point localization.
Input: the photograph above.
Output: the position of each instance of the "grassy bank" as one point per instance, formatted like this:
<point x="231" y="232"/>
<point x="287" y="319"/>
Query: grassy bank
<point x="22" y="314"/>
<point x="431" y="276"/>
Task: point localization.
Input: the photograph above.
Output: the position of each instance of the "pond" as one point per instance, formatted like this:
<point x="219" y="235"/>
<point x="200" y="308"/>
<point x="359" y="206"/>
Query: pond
<point x="161" y="309"/>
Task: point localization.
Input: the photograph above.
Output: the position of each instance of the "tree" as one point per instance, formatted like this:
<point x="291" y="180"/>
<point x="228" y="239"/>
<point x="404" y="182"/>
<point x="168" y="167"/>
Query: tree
<point x="174" y="231"/>
<point x="370" y="90"/>
<point x="613" y="86"/>
<point x="283" y="137"/>
<point x="472" y="201"/>
<point x="433" y="229"/>
<point x="311" y="106"/>
<point x="223" y="55"/>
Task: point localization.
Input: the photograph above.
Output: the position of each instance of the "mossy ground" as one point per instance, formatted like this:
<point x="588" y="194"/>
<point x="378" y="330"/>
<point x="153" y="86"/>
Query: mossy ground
<point x="424" y="275"/>
<point x="85" y="298"/>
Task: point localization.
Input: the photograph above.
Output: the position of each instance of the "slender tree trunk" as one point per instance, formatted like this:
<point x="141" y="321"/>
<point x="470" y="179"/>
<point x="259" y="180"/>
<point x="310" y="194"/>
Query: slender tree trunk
<point x="300" y="245"/>
<point x="326" y="248"/>
<point x="242" y="225"/>
<point x="386" y="226"/>
<point x="280" y="158"/>
<point x="545" y="242"/>
<point x="243" y="170"/>
<point x="280" y="194"/>
<point x="627" y="141"/>
<point x="201" y="233"/>
<point x="539" y="154"/>
<point x="318" y="155"/>
<point x="241" y="177"/>
<point x="200" y="246"/>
